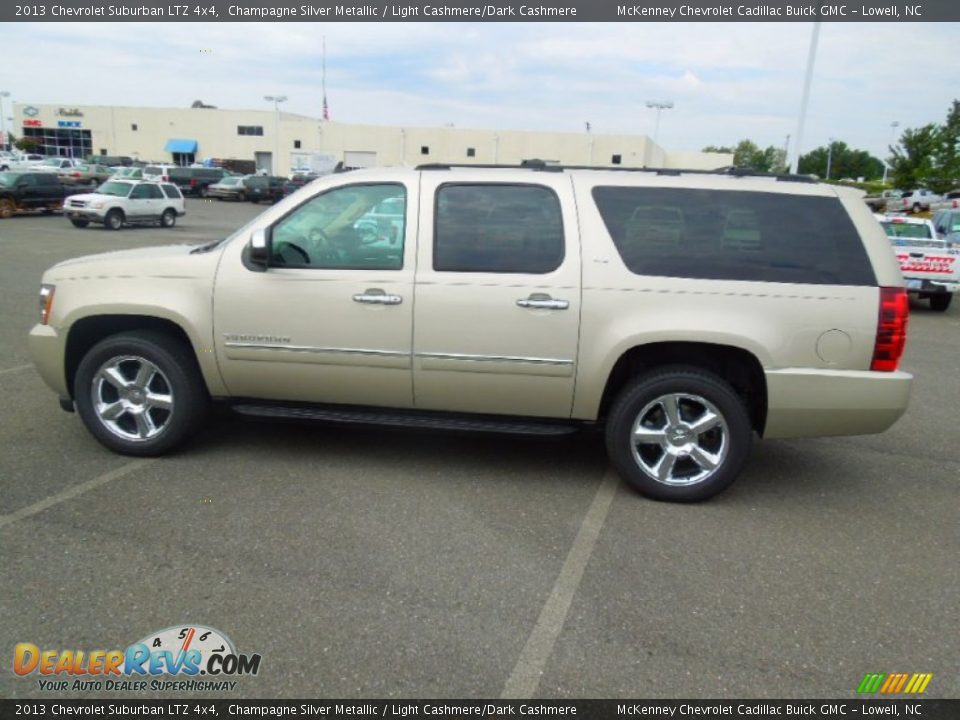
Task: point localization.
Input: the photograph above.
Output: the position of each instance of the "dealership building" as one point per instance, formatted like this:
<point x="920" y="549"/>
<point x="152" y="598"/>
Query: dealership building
<point x="205" y="134"/>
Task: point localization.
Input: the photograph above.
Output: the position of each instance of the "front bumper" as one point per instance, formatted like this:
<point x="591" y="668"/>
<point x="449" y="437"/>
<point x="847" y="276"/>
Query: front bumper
<point x="48" y="350"/>
<point x="83" y="214"/>
<point x="812" y="403"/>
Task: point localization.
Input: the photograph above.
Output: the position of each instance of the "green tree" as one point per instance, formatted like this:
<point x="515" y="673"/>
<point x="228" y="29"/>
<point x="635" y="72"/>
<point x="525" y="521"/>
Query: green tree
<point x="26" y="144"/>
<point x="914" y="162"/>
<point x="845" y="162"/>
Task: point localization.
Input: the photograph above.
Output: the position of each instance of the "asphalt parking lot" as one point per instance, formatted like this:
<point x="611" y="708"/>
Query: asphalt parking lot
<point x="391" y="564"/>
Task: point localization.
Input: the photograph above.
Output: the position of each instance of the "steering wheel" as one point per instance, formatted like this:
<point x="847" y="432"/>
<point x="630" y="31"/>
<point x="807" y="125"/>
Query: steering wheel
<point x="318" y="238"/>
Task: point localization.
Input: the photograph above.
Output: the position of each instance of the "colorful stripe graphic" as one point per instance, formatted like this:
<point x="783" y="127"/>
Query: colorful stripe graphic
<point x="894" y="683"/>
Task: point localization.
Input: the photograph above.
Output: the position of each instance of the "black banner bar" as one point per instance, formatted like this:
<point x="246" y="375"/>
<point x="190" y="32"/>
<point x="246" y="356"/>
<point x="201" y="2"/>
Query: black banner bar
<point x="437" y="709"/>
<point x="480" y="11"/>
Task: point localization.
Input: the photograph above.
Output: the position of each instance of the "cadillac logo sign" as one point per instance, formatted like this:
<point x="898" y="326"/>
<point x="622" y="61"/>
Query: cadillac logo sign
<point x="30" y="111"/>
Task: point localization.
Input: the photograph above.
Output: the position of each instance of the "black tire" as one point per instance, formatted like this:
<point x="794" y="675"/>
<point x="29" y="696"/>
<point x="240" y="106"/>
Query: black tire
<point x="177" y="378"/>
<point x="940" y="301"/>
<point x="79" y="223"/>
<point x="643" y="402"/>
<point x="169" y="218"/>
<point x="113" y="220"/>
<point x="203" y="191"/>
<point x="242" y="197"/>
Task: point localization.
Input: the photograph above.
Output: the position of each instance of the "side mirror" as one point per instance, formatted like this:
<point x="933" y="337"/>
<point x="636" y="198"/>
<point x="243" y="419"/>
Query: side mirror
<point x="259" y="247"/>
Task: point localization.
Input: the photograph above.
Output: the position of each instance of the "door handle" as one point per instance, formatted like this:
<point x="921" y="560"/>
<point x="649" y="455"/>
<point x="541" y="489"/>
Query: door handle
<point x="543" y="302"/>
<point x="377" y="297"/>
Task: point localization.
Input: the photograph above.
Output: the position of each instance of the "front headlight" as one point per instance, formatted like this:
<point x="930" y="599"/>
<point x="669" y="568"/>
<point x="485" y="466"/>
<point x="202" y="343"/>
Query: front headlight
<point x="96" y="205"/>
<point x="46" y="302"/>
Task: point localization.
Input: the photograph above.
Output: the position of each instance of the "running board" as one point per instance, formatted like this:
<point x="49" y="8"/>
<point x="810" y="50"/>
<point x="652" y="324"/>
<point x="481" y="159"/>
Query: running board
<point x="485" y="424"/>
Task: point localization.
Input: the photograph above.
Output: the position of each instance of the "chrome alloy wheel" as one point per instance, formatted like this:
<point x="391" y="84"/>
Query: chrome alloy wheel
<point x="132" y="398"/>
<point x="679" y="439"/>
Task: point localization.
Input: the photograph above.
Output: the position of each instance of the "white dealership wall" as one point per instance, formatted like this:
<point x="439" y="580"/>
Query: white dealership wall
<point x="143" y="133"/>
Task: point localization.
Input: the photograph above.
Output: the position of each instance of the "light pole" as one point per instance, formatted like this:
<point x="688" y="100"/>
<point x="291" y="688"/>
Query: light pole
<point x="829" y="156"/>
<point x="893" y="131"/>
<point x="3" y="122"/>
<point x="659" y="105"/>
<point x="276" y="100"/>
<point x="801" y="120"/>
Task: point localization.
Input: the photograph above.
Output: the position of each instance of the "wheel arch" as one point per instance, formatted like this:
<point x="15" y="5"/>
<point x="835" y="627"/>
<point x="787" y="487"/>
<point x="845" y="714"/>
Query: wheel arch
<point x="88" y="331"/>
<point x="735" y="365"/>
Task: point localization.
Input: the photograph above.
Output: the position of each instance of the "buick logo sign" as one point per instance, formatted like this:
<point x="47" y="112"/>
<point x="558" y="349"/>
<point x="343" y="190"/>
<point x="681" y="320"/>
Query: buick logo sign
<point x="30" y="111"/>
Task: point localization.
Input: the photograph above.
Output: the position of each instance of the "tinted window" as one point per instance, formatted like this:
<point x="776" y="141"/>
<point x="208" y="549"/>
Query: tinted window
<point x="734" y="235"/>
<point x="357" y="226"/>
<point x="172" y="191"/>
<point x="146" y="192"/>
<point x="497" y="228"/>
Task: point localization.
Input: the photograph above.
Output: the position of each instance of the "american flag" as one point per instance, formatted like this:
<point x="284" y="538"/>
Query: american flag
<point x="326" y="108"/>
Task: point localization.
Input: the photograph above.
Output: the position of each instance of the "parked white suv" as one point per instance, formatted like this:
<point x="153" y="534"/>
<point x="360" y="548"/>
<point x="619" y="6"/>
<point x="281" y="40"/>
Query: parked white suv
<point x="126" y="202"/>
<point x="681" y="312"/>
<point x="917" y="201"/>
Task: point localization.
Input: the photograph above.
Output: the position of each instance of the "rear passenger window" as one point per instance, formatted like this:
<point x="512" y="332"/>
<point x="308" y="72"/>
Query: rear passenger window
<point x="497" y="228"/>
<point x="172" y="191"/>
<point x="734" y="235"/>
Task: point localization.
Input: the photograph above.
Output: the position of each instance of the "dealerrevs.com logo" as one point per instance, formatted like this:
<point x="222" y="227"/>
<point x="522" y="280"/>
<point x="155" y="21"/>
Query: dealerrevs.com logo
<point x="179" y="658"/>
<point x="894" y="683"/>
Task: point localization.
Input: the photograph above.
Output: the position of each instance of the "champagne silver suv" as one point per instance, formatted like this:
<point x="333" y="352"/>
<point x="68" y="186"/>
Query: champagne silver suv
<point x="681" y="312"/>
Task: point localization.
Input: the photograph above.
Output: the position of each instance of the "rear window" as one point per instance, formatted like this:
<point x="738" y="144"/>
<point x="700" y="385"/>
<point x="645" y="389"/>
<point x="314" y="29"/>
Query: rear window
<point x="907" y="230"/>
<point x="734" y="235"/>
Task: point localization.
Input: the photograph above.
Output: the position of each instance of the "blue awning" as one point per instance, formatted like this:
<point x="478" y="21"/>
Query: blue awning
<point x="181" y="146"/>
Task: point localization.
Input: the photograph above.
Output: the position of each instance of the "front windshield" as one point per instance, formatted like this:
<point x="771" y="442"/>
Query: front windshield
<point x="51" y="162"/>
<point x="117" y="189"/>
<point x="230" y="181"/>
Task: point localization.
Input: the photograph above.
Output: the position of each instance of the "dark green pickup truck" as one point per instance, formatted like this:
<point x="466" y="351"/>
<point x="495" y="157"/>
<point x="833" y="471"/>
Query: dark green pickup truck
<point x="33" y="191"/>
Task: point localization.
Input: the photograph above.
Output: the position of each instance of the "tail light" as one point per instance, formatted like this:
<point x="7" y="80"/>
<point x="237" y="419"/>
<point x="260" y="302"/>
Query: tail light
<point x="891" y="329"/>
<point x="164" y="178"/>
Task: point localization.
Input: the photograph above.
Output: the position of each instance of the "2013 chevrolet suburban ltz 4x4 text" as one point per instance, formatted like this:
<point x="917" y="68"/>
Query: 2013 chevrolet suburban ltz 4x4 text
<point x="680" y="311"/>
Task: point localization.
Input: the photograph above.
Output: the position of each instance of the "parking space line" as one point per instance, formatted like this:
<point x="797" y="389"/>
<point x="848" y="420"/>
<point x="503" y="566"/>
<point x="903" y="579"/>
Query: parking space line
<point x="74" y="491"/>
<point x="15" y="369"/>
<point x="525" y="678"/>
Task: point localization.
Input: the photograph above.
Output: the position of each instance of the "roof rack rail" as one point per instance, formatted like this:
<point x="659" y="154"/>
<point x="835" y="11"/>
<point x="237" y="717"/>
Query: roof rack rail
<point x="543" y="166"/>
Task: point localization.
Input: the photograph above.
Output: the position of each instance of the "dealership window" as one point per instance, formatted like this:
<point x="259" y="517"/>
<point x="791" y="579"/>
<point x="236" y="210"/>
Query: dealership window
<point x="183" y="159"/>
<point x="133" y="126"/>
<point x="424" y="150"/>
<point x="616" y="160"/>
<point x="296" y="144"/>
<point x="249" y="130"/>
<point x="61" y="142"/>
<point x="471" y="152"/>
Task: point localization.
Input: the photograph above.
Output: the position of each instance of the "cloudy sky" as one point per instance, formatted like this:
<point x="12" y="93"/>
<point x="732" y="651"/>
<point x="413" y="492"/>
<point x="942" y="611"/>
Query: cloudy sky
<point x="727" y="81"/>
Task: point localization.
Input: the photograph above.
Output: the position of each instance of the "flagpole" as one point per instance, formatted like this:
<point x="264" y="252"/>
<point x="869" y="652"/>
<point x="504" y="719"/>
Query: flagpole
<point x="323" y="80"/>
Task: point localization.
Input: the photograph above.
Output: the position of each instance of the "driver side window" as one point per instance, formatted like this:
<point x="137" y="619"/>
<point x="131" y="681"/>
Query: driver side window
<point x="359" y="227"/>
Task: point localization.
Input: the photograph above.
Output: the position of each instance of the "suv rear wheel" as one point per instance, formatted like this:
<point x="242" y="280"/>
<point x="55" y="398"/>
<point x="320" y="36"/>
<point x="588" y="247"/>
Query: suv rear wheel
<point x="140" y="393"/>
<point x="169" y="218"/>
<point x="678" y="433"/>
<point x="940" y="301"/>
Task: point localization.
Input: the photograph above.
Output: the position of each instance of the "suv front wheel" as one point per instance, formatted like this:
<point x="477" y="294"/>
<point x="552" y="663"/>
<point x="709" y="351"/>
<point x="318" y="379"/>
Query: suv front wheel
<point x="140" y="393"/>
<point x="679" y="434"/>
